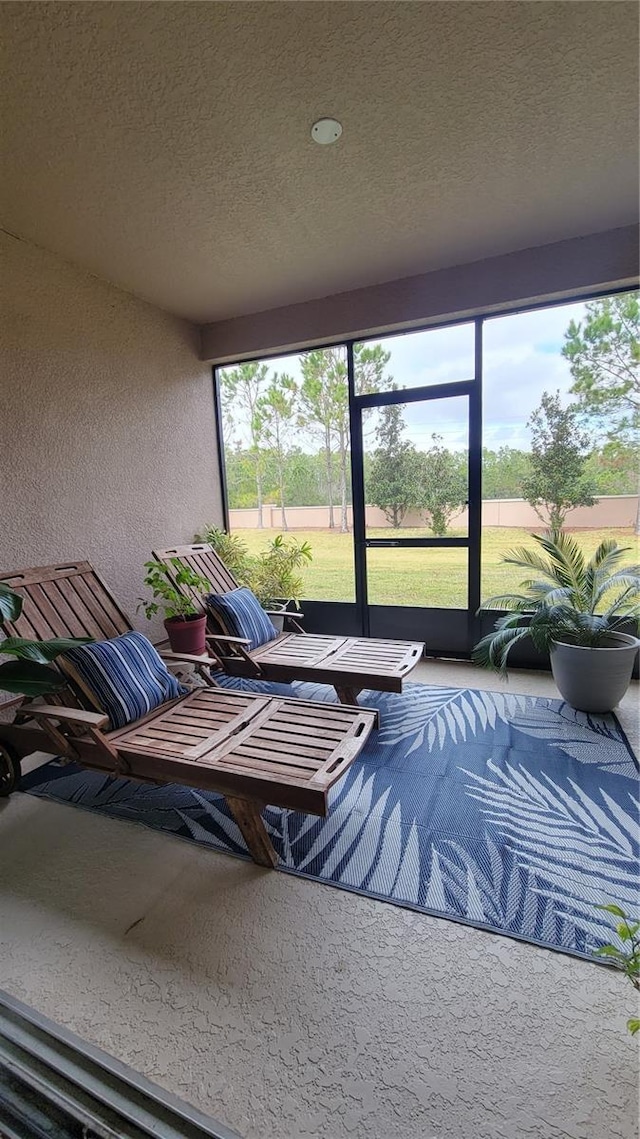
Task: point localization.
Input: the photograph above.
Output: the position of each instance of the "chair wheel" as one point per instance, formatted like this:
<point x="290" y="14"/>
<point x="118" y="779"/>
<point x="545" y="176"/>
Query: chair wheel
<point x="9" y="770"/>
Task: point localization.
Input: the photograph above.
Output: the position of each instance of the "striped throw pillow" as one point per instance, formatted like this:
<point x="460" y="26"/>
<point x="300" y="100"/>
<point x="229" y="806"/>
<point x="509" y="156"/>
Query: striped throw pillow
<point x="240" y="614"/>
<point x="124" y="677"/>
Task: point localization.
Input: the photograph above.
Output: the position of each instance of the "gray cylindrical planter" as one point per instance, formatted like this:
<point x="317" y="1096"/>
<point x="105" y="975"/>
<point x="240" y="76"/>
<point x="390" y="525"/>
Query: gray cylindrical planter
<point x="594" y="679"/>
<point x="277" y="614"/>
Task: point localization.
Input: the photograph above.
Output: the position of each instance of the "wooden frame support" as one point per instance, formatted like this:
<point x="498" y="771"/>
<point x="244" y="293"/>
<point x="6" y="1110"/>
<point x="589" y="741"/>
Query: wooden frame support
<point x="348" y="695"/>
<point x="247" y="814"/>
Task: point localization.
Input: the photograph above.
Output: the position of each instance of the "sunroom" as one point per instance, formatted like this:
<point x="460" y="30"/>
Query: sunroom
<point x="333" y="306"/>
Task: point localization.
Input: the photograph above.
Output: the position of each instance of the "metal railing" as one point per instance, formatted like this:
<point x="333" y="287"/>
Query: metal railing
<point x="54" y="1084"/>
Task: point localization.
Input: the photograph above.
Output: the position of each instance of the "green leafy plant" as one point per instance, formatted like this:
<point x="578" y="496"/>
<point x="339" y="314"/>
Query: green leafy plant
<point x="571" y="599"/>
<point x="603" y="352"/>
<point x="443" y="487"/>
<point x="275" y="576"/>
<point x="28" y="674"/>
<point x="160" y="580"/>
<point x="557" y="482"/>
<point x="604" y="357"/>
<point x="626" y="959"/>
<point x="393" y="480"/>
<point x="230" y="548"/>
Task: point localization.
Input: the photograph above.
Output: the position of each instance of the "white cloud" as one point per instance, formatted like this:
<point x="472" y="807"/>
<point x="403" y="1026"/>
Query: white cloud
<point x="521" y="359"/>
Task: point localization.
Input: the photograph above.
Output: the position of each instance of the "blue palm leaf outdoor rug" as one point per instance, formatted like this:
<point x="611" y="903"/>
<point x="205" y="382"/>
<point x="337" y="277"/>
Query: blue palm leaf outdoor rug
<point x="511" y="813"/>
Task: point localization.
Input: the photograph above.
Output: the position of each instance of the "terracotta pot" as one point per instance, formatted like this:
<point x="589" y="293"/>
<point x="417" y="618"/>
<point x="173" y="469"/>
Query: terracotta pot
<point x="186" y="635"/>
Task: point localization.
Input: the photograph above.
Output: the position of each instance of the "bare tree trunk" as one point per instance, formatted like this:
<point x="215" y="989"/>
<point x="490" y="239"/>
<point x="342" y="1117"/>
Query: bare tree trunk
<point x="344" y="521"/>
<point x="638" y="512"/>
<point x="259" y="493"/>
<point x="281" y="482"/>
<point x="280" y="454"/>
<point x="556" y="520"/>
<point x="327" y="451"/>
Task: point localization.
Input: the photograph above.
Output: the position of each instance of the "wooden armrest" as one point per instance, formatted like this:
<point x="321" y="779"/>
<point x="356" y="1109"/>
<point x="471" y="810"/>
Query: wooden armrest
<point x="228" y="640"/>
<point x="70" y="715"/>
<point x="189" y="658"/>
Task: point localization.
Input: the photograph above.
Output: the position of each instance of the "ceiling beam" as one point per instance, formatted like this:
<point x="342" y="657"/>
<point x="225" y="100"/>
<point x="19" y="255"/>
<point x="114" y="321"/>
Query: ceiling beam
<point x="560" y="271"/>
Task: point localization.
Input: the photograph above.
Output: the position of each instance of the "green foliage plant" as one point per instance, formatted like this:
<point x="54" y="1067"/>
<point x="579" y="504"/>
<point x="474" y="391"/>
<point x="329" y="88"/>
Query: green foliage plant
<point x="627" y="958"/>
<point x="603" y="352"/>
<point x="160" y="577"/>
<point x="393" y="478"/>
<point x="28" y="674"/>
<point x="557" y="481"/>
<point x="566" y="598"/>
<point x="503" y="472"/>
<point x="275" y="576"/>
<point x="231" y="549"/>
<point x="443" y="485"/>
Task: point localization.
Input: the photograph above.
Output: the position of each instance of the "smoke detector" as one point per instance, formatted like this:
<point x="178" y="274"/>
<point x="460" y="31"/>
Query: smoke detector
<point x="326" y="131"/>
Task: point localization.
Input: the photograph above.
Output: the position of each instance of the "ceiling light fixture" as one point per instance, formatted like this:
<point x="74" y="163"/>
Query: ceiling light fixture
<point x="326" y="131"/>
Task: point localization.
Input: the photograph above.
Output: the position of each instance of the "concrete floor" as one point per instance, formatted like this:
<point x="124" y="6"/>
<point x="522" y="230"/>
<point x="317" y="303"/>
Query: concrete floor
<point x="287" y="1008"/>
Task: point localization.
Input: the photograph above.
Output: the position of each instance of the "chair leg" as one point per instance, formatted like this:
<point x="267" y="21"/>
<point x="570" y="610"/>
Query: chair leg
<point x="247" y="814"/>
<point x="348" y="695"/>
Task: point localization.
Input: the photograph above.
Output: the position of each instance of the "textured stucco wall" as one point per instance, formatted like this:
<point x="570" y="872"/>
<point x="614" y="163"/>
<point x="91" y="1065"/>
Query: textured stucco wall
<point x="107" y="437"/>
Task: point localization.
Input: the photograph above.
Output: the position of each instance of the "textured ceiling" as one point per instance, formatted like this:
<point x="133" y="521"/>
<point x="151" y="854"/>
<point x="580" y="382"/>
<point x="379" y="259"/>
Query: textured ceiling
<point x="165" y="146"/>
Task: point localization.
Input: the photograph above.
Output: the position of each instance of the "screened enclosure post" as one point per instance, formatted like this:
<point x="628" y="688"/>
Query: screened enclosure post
<point x="220" y="444"/>
<point x="357" y="497"/>
<point x="475" y="490"/>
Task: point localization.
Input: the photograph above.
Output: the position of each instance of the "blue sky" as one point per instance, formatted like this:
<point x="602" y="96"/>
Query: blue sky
<point x="522" y="358"/>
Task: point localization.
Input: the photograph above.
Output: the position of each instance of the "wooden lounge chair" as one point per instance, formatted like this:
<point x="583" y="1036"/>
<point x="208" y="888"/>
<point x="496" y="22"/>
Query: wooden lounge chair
<point x="253" y="749"/>
<point x="350" y="664"/>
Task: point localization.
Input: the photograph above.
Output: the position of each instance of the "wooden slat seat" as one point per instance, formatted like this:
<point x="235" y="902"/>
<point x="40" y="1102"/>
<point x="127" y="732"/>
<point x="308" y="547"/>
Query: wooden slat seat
<point x="350" y="664"/>
<point x="246" y="743"/>
<point x="251" y="748"/>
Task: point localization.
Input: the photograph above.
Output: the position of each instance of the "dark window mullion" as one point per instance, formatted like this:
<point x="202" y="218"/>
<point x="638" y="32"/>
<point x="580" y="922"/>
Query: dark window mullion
<point x="428" y="543"/>
<point x="456" y="388"/>
<point x="357" y="499"/>
<point x="222" y="462"/>
<point x="475" y="489"/>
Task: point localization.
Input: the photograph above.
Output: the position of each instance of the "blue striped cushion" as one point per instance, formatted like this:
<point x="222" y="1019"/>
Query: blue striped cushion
<point x="124" y="677"/>
<point x="241" y="615"/>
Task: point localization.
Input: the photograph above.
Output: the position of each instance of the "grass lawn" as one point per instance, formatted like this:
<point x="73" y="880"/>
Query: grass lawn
<point x="430" y="577"/>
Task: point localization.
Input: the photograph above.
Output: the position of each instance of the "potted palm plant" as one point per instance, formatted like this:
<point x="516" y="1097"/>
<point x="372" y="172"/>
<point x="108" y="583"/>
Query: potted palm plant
<point x="185" y="620"/>
<point x="576" y="609"/>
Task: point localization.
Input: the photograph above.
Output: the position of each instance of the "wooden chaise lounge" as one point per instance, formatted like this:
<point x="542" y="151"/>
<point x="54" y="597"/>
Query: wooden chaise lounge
<point x="350" y="664"/>
<point x="253" y="749"/>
